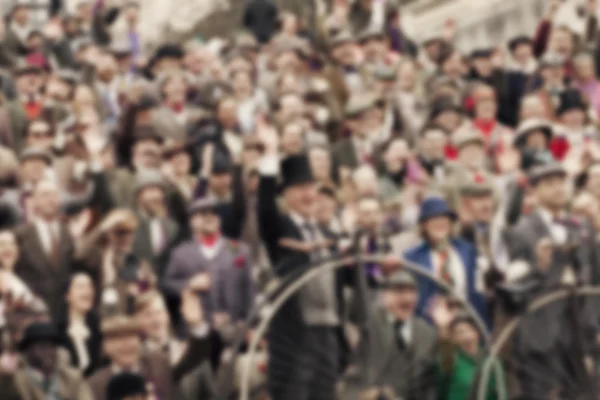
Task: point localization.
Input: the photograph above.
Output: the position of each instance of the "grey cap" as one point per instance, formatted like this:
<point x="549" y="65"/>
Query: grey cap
<point x="551" y="59"/>
<point x="399" y="280"/>
<point x="540" y="172"/>
<point x="32" y="153"/>
<point x="359" y="103"/>
<point x="465" y="137"/>
<point x="206" y="204"/>
<point x="145" y="179"/>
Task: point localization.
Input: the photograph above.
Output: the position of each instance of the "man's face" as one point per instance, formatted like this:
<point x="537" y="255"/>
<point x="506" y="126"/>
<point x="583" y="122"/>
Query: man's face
<point x="472" y="156"/>
<point x="43" y="356"/>
<point x="154" y="320"/>
<point x="220" y="183"/>
<point x="344" y="53"/>
<point x="453" y="67"/>
<point x="486" y="109"/>
<point x="320" y="163"/>
<point x="227" y="113"/>
<point x="551" y="192"/>
<point x="29" y="84"/>
<point x="396" y="155"/>
<point x="523" y="53"/>
<point x="121" y="239"/>
<point x="374" y="49"/>
<point x="369" y="215"/>
<point x="301" y="198"/>
<point x="325" y="208"/>
<point x="481" y="208"/>
<point x="131" y="14"/>
<point x="553" y="76"/>
<point x="537" y="140"/>
<point x="291" y="107"/>
<point x="433" y="144"/>
<point x="483" y="66"/>
<point x="39" y="135"/>
<point x="366" y="123"/>
<point x="401" y="303"/>
<point x="57" y="89"/>
<point x="449" y="120"/>
<point x="152" y="200"/>
<point x="433" y="49"/>
<point x="46" y="199"/>
<point x="21" y="15"/>
<point x="574" y="118"/>
<point x="438" y="228"/>
<point x="33" y="169"/>
<point x="175" y="89"/>
<point x="206" y="223"/>
<point x="147" y="154"/>
<point x="123" y="350"/>
<point x="561" y="42"/>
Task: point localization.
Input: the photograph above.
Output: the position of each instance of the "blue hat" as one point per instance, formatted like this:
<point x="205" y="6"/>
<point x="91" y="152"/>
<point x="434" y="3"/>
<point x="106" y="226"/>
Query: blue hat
<point x="435" y="207"/>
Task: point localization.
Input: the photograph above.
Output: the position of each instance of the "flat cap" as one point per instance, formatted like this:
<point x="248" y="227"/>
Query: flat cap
<point x="206" y="204"/>
<point x="531" y="125"/>
<point x="120" y="325"/>
<point x="476" y="186"/>
<point x="359" y="103"/>
<point x="35" y="153"/>
<point x="466" y="137"/>
<point x="385" y="73"/>
<point x="399" y="280"/>
<point x="540" y="172"/>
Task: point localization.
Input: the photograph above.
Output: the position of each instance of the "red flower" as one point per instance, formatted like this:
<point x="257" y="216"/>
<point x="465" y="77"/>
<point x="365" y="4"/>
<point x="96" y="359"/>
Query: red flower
<point x="559" y="147"/>
<point x="240" y="262"/>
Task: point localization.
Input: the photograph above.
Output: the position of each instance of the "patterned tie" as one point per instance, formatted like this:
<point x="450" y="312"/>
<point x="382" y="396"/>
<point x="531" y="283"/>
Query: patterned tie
<point x="445" y="274"/>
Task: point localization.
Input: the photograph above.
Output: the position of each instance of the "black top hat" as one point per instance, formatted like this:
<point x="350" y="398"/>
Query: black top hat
<point x="221" y="163"/>
<point x="39" y="332"/>
<point x="295" y="170"/>
<point x="125" y="385"/>
<point x="571" y="99"/>
<point x="481" y="53"/>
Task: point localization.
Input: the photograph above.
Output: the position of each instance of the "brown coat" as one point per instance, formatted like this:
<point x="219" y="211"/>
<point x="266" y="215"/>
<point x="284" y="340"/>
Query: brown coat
<point x="47" y="278"/>
<point x="154" y="368"/>
<point x="20" y="387"/>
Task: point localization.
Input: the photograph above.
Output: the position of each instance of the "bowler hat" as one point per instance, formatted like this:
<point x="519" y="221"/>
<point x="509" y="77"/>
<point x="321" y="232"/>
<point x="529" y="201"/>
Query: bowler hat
<point x="206" y="204"/>
<point x="571" y="99"/>
<point x="435" y="207"/>
<point x="530" y="125"/>
<point x="540" y="172"/>
<point x="39" y="332"/>
<point x="125" y="385"/>
<point x="399" y="280"/>
<point x="295" y="170"/>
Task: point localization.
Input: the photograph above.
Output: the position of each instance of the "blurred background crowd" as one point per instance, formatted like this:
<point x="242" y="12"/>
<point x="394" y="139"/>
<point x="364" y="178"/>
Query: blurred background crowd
<point x="152" y="190"/>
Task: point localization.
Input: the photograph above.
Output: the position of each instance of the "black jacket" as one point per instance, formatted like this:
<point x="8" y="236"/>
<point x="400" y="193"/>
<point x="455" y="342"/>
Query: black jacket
<point x="260" y="17"/>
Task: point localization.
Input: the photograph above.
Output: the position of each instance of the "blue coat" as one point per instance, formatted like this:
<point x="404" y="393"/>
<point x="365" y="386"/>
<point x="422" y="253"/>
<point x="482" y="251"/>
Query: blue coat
<point x="421" y="255"/>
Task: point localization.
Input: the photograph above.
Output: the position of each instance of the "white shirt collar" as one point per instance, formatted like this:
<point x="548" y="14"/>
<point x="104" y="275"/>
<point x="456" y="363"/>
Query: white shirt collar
<point x="406" y="328"/>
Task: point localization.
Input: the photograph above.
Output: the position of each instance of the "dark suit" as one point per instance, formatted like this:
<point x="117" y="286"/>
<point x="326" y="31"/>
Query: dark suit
<point x="345" y="154"/>
<point x="304" y="359"/>
<point x="18" y="120"/>
<point x="45" y="277"/>
<point x="153" y="367"/>
<point x="142" y="245"/>
<point x="381" y="362"/>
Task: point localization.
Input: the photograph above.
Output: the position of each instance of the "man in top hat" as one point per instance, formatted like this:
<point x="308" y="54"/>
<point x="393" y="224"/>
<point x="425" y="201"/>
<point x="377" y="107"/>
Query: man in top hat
<point x="398" y="349"/>
<point x="550" y="222"/>
<point x="261" y="18"/>
<point x="41" y="375"/>
<point x="218" y="269"/>
<point x="305" y="332"/>
<point x="122" y="338"/>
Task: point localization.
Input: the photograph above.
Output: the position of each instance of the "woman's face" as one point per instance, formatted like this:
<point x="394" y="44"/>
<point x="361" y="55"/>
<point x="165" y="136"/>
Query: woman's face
<point x="9" y="250"/>
<point x="466" y="337"/>
<point x="81" y="293"/>
<point x="438" y="228"/>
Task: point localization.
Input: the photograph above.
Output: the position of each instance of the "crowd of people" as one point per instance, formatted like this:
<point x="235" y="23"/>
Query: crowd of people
<point x="149" y="197"/>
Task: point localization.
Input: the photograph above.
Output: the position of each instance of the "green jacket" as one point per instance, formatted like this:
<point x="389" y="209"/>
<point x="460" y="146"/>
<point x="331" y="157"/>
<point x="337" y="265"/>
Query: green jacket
<point x="457" y="384"/>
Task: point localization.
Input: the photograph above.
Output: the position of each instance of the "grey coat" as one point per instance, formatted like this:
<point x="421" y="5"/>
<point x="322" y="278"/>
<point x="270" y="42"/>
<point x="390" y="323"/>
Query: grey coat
<point x="232" y="288"/>
<point x="380" y="362"/>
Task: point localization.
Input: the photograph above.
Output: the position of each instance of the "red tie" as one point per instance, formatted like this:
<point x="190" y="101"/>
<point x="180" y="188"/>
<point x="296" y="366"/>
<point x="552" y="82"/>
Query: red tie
<point x="445" y="267"/>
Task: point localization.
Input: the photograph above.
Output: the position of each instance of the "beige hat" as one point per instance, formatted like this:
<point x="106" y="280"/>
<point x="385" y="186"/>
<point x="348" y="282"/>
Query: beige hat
<point x="465" y="137"/>
<point x="359" y="103"/>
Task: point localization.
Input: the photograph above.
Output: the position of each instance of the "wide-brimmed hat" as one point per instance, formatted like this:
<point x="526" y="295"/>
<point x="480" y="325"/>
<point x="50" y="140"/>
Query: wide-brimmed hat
<point x="39" y="332"/>
<point x="435" y="207"/>
<point x="466" y="137"/>
<point x="530" y="125"/>
<point x="295" y="170"/>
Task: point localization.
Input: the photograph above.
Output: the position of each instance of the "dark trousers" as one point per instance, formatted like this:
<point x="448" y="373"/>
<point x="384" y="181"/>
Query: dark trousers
<point x="306" y="370"/>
